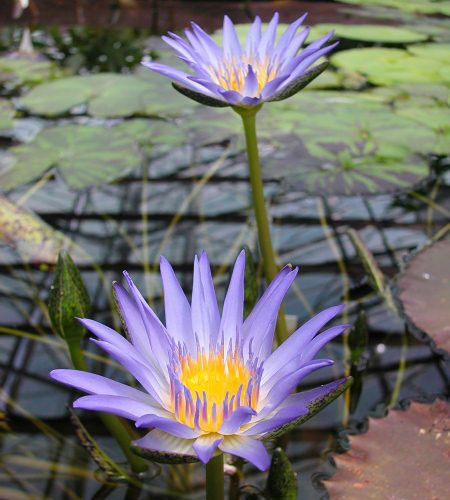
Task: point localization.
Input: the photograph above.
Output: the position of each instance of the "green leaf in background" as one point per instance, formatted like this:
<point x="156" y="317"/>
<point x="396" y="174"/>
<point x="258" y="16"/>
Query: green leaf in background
<point x="84" y="155"/>
<point x="7" y="113"/>
<point x="155" y="137"/>
<point x="358" y="338"/>
<point x="419" y="6"/>
<point x="67" y="300"/>
<point x="107" y="95"/>
<point x="373" y="33"/>
<point x="384" y="66"/>
<point x="416" y="95"/>
<point x="282" y="480"/>
<point x="16" y="72"/>
<point x="344" y="143"/>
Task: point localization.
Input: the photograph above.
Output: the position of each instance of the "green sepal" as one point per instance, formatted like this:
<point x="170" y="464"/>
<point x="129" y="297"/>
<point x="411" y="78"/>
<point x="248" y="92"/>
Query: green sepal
<point x="163" y="457"/>
<point x="282" y="480"/>
<point x="68" y="299"/>
<point x="299" y="83"/>
<point x="250" y="283"/>
<point x="314" y="407"/>
<point x="199" y="97"/>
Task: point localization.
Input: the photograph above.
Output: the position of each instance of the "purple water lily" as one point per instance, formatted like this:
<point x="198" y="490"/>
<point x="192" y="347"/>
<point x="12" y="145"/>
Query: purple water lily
<point x="244" y="76"/>
<point x="209" y="381"/>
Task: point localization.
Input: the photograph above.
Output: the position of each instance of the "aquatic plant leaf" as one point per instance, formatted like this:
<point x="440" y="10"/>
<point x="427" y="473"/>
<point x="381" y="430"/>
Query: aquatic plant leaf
<point x="251" y="291"/>
<point x="419" y="6"/>
<point x="68" y="299"/>
<point x="7" y="113"/>
<point x="358" y="338"/>
<point x="384" y="66"/>
<point x="20" y="71"/>
<point x="34" y="240"/>
<point x="424" y="292"/>
<point x="373" y="33"/>
<point x="162" y="457"/>
<point x="344" y="144"/>
<point x="282" y="480"/>
<point x="405" y="453"/>
<point x="84" y="156"/>
<point x="106" y="95"/>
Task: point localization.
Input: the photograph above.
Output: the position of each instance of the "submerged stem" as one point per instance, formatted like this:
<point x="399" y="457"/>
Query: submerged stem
<point x="214" y="478"/>
<point x="259" y="206"/>
<point x="114" y="425"/>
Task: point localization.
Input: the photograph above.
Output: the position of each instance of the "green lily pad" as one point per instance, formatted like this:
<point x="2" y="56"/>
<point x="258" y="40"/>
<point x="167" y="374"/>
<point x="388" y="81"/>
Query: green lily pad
<point x="107" y="95"/>
<point x="6" y="115"/>
<point x="418" y="95"/>
<point x="384" y="66"/>
<point x="155" y="137"/>
<point x="437" y="119"/>
<point x="424" y="292"/>
<point x="16" y="72"/>
<point x="404" y="455"/>
<point x="84" y="156"/>
<point x="345" y="144"/>
<point x="419" y="6"/>
<point x="372" y="33"/>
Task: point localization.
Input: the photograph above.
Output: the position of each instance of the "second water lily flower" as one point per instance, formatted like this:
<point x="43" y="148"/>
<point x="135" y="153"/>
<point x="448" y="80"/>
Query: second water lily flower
<point x="210" y="382"/>
<point x="263" y="69"/>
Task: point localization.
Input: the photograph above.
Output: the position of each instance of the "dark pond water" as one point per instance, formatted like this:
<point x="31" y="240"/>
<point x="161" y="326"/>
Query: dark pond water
<point x="190" y="192"/>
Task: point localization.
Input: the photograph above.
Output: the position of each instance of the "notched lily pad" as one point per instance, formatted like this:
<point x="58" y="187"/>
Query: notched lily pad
<point x="373" y="33"/>
<point x="404" y="455"/>
<point x="107" y="95"/>
<point x="84" y="156"/>
<point x="424" y="292"/>
<point x="344" y="143"/>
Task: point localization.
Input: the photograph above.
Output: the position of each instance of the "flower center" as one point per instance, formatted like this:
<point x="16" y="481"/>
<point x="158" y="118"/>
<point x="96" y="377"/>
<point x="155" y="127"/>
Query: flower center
<point x="207" y="388"/>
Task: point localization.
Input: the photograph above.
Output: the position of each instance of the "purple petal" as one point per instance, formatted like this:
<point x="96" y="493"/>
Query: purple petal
<point x="251" y="83"/>
<point x="231" y="46"/>
<point x="210" y="297"/>
<point x="247" y="448"/>
<point x="177" y="308"/>
<point x="297" y="341"/>
<point x="168" y="425"/>
<point x="292" y="49"/>
<point x="308" y="61"/>
<point x="206" y="445"/>
<point x="180" y="45"/>
<point x="233" y="307"/>
<point x="239" y="417"/>
<point x="268" y="39"/>
<point x="265" y="312"/>
<point x="210" y="46"/>
<point x="286" y="38"/>
<point x="117" y="405"/>
<point x="254" y="37"/>
<point x="231" y="96"/>
<point x="161" y="441"/>
<point x="320" y="340"/>
<point x="271" y="87"/>
<point x="279" y="387"/>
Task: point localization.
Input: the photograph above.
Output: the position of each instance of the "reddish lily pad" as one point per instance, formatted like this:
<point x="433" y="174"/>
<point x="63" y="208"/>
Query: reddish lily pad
<point x="402" y="456"/>
<point x="424" y="292"/>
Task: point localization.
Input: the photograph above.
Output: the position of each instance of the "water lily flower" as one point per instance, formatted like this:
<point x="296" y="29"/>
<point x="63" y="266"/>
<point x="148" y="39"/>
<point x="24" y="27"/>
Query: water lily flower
<point x="244" y="75"/>
<point x="210" y="382"/>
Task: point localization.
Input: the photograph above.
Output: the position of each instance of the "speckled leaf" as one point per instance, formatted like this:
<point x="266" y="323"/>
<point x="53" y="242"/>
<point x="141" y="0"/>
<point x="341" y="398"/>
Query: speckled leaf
<point x="282" y="480"/>
<point x="404" y="455"/>
<point x="20" y="71"/>
<point x="84" y="155"/>
<point x="163" y="458"/>
<point x="424" y="292"/>
<point x="34" y="240"/>
<point x="68" y="299"/>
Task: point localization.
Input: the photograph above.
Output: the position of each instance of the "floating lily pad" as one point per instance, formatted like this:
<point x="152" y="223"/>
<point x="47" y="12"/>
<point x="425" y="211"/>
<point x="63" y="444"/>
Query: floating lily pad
<point x="419" y="6"/>
<point x="384" y="66"/>
<point x="107" y="95"/>
<point x="404" y="455"/>
<point x="417" y="95"/>
<point x="344" y="144"/>
<point x="153" y="136"/>
<point x="424" y="292"/>
<point x="84" y="155"/>
<point x="373" y="33"/>
<point x="16" y="72"/>
<point x="437" y="119"/>
<point x="6" y="115"/>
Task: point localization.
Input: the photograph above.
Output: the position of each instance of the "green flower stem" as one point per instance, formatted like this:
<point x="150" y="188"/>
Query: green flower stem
<point x="214" y="478"/>
<point x="114" y="425"/>
<point x="265" y="242"/>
